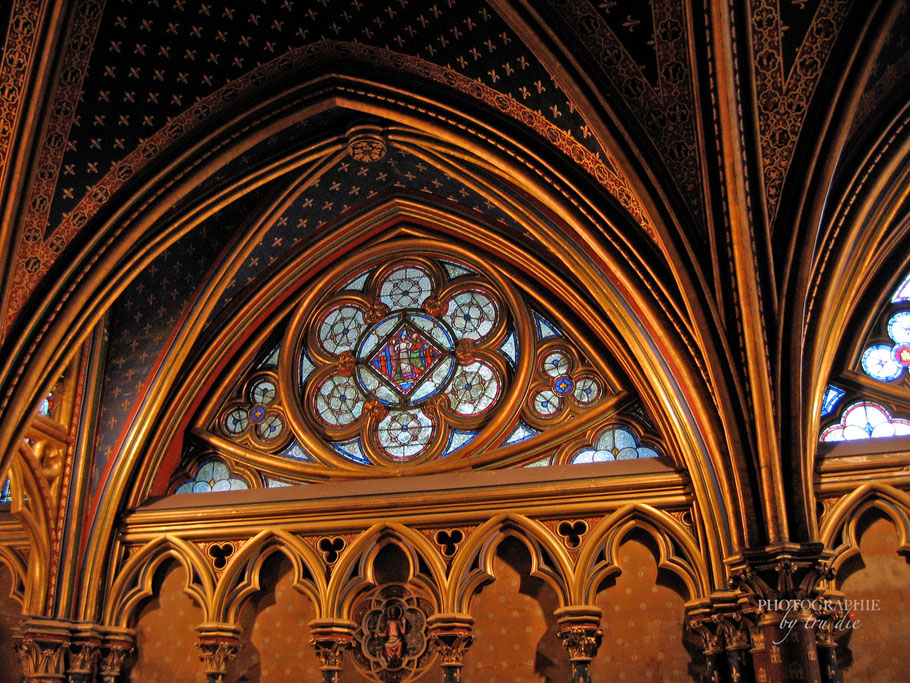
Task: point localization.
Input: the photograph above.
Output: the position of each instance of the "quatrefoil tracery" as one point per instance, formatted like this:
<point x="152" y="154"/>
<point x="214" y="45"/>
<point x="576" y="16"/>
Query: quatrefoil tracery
<point x="563" y="384"/>
<point x="258" y="417"/>
<point x="400" y="360"/>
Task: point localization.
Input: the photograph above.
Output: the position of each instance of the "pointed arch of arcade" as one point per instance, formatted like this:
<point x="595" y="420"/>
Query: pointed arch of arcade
<point x="839" y="530"/>
<point x="615" y="266"/>
<point x="859" y="262"/>
<point x="135" y="581"/>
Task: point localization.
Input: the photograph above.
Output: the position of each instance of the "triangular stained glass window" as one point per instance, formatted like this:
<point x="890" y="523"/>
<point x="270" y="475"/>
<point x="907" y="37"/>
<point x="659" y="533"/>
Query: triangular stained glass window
<point x="408" y="360"/>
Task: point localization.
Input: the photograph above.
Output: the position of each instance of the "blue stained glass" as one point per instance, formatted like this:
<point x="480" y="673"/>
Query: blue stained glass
<point x="866" y="420"/>
<point x="878" y="362"/>
<point x="614" y="443"/>
<point x="520" y="433"/>
<point x="903" y="291"/>
<point x="545" y="329"/>
<point x="212" y="476"/>
<point x="832" y="397"/>
<point x="5" y="495"/>
<point x="899" y="327"/>
<point x="306" y="368"/>
<point x="352" y="450"/>
<point x="509" y="348"/>
<point x="457" y="439"/>
<point x="295" y="452"/>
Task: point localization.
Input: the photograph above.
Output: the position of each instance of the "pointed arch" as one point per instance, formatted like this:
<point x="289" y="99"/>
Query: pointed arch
<point x="135" y="582"/>
<point x="599" y="553"/>
<point x="354" y="571"/>
<point x="472" y="565"/>
<point x="592" y="241"/>
<point x="839" y="530"/>
<point x="241" y="577"/>
<point x="18" y="570"/>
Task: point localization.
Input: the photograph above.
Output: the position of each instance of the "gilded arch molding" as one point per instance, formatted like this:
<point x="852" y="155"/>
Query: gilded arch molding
<point x="855" y="270"/>
<point x="90" y="292"/>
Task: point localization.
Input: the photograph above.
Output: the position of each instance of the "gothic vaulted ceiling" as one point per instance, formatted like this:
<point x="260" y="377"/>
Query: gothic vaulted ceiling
<point x="714" y="183"/>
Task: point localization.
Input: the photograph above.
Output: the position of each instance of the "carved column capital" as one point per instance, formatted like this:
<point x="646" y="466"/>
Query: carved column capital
<point x="42" y="648"/>
<point x="580" y="633"/>
<point x="84" y="651"/>
<point x="331" y="638"/>
<point x="451" y="635"/>
<point x="219" y="644"/>
<point x="117" y="650"/>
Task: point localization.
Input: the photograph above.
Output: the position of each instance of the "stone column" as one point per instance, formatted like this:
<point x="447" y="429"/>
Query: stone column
<point x="579" y="631"/>
<point x="84" y="651"/>
<point x="42" y="646"/>
<point x="825" y="644"/>
<point x="704" y="624"/>
<point x="117" y="650"/>
<point x="737" y="640"/>
<point x="219" y="644"/>
<point x="451" y="635"/>
<point x="332" y="638"/>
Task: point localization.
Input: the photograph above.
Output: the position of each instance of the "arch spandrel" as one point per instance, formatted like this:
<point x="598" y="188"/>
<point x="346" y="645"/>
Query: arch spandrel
<point x="588" y="293"/>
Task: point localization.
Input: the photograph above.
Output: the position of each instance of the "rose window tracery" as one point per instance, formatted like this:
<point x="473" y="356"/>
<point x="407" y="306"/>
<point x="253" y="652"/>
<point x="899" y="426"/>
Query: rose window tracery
<point x="409" y="358"/>
<point x="409" y="351"/>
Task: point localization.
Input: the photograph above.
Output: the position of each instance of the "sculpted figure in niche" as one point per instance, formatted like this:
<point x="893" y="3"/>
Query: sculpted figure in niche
<point x="388" y="642"/>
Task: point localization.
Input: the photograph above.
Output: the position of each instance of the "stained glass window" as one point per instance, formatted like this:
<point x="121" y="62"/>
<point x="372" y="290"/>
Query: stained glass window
<point x="832" y="397"/>
<point x="889" y="360"/>
<point x="47" y="405"/>
<point x="421" y="331"/>
<point x="866" y="420"/>
<point x="258" y="417"/>
<point x="5" y="495"/>
<point x="614" y="443"/>
<point x="212" y="475"/>
<point x="403" y="360"/>
<point x="903" y="291"/>
<point x="521" y="433"/>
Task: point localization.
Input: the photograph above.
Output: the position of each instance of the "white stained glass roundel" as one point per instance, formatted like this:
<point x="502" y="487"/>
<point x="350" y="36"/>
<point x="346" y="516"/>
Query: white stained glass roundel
<point x="587" y="390"/>
<point x="878" y="362"/>
<point x="403" y="434"/>
<point x="339" y="401"/>
<point x="236" y="420"/>
<point x="340" y="329"/>
<point x="270" y="428"/>
<point x="546" y="402"/>
<point x="263" y="392"/>
<point x="406" y="287"/>
<point x="471" y="314"/>
<point x="899" y="327"/>
<point x="556" y="364"/>
<point x="474" y="388"/>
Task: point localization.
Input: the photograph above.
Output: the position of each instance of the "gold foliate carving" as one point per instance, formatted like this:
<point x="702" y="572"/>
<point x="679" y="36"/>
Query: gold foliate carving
<point x="451" y="636"/>
<point x="579" y="631"/>
<point x="42" y="652"/>
<point x="331" y="641"/>
<point x="216" y="655"/>
<point x="219" y="644"/>
<point x="581" y="642"/>
<point x="367" y="148"/>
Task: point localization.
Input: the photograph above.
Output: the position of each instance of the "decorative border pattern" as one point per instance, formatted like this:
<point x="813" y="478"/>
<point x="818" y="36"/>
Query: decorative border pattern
<point x="36" y="257"/>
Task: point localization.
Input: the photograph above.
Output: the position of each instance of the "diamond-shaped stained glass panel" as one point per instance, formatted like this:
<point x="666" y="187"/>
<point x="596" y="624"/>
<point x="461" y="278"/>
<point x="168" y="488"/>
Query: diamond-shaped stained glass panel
<point x="405" y="358"/>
